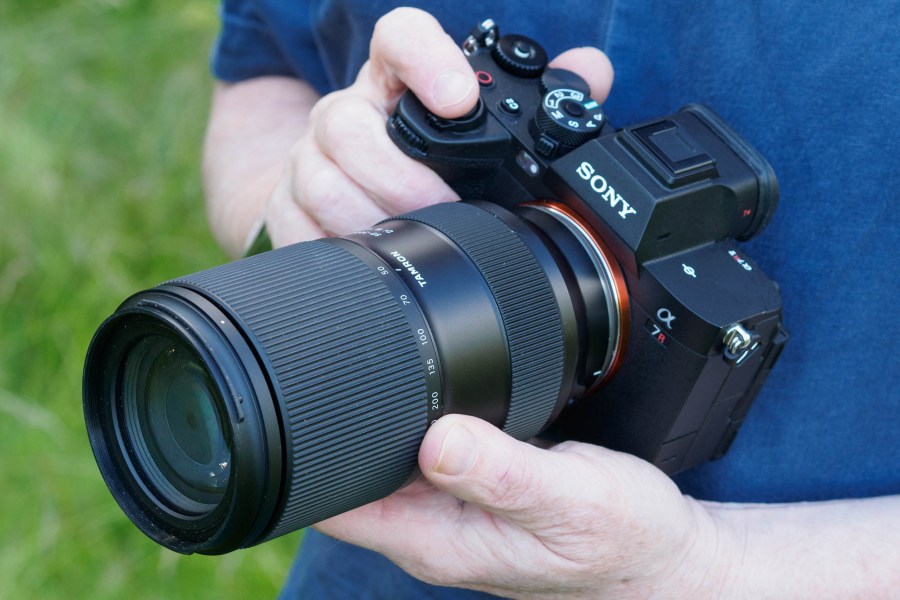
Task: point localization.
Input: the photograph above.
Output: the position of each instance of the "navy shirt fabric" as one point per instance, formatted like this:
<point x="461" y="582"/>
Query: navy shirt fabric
<point x="815" y="87"/>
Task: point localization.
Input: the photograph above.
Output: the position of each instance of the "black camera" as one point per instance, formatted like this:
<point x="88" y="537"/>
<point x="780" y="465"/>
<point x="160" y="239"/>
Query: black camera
<point x="598" y="296"/>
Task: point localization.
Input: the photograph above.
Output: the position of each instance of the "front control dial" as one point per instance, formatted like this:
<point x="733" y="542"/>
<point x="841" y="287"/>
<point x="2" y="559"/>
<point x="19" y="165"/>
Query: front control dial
<point x="569" y="117"/>
<point x="470" y="121"/>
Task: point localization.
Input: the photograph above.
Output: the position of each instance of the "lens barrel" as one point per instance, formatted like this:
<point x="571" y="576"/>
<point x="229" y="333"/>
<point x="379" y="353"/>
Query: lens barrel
<point x="241" y="403"/>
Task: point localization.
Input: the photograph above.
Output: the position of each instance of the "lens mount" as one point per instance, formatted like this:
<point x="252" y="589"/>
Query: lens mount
<point x="181" y="421"/>
<point x="607" y="309"/>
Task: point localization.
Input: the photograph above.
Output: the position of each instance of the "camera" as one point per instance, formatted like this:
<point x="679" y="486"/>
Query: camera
<point x="589" y="287"/>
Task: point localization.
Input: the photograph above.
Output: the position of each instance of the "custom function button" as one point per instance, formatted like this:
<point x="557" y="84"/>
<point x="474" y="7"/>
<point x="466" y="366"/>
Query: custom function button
<point x="510" y="106"/>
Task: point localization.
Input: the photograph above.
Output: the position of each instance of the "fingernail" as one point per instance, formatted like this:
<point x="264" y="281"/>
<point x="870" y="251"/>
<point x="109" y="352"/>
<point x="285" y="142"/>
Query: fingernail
<point x="451" y="87"/>
<point x="458" y="452"/>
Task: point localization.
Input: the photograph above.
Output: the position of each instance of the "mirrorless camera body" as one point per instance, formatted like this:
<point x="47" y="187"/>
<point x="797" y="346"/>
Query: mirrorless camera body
<point x="689" y="326"/>
<point x="588" y="288"/>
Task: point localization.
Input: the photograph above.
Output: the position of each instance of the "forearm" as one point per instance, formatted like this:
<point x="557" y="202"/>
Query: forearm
<point x="837" y="549"/>
<point x="252" y="127"/>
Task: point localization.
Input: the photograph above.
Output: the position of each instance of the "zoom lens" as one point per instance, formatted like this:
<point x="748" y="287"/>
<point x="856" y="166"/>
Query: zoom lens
<point x="237" y="404"/>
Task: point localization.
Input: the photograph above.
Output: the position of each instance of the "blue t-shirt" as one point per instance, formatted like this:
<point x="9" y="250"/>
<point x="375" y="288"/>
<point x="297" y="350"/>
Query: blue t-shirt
<point x="815" y="87"/>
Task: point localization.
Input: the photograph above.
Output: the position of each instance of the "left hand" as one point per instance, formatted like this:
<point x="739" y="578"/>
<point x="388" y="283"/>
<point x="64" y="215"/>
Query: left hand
<point x="575" y="521"/>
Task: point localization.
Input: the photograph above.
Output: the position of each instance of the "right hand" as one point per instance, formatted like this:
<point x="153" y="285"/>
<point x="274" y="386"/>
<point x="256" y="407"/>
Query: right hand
<point x="345" y="174"/>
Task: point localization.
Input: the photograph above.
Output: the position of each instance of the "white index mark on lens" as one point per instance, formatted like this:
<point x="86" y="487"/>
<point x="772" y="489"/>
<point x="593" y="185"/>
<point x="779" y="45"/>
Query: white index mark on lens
<point x="222" y="322"/>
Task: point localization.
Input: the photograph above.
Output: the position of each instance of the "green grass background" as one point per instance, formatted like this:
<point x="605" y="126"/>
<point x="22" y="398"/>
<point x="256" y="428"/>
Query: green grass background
<point x="102" y="110"/>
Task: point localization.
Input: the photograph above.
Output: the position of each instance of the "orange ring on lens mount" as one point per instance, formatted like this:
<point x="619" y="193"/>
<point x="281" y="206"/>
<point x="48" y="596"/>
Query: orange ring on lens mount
<point x="610" y="270"/>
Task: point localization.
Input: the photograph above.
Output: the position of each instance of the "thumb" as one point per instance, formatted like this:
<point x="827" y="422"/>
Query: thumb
<point x="476" y="462"/>
<point x="593" y="66"/>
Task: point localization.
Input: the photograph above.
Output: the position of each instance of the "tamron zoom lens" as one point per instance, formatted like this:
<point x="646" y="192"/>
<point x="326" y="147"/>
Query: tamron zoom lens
<point x="240" y="403"/>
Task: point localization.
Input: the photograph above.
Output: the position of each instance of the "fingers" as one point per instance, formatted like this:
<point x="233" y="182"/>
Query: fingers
<point x="350" y="131"/>
<point x="409" y="49"/>
<point x="506" y="517"/>
<point x="286" y="222"/>
<point x="346" y="174"/>
<point x="336" y="202"/>
<point x="592" y="65"/>
<point x="478" y="463"/>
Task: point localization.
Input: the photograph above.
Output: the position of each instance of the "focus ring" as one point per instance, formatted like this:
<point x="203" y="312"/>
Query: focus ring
<point x="325" y="324"/>
<point x="526" y="303"/>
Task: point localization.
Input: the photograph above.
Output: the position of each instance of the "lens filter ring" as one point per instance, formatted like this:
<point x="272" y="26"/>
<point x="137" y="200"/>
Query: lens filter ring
<point x="144" y="363"/>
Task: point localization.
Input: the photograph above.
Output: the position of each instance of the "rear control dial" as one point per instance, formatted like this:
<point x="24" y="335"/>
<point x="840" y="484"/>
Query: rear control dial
<point x="570" y="117"/>
<point x="520" y="56"/>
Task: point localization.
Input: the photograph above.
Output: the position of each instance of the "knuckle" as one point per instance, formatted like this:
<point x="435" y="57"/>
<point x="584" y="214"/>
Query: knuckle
<point x="324" y="104"/>
<point x="316" y="192"/>
<point x="515" y="487"/>
<point x="297" y="154"/>
<point x="398" y="191"/>
<point x="339" y="120"/>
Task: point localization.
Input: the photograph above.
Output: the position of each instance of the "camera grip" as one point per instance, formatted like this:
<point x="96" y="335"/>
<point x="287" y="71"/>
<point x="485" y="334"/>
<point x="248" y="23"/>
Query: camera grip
<point x="466" y="153"/>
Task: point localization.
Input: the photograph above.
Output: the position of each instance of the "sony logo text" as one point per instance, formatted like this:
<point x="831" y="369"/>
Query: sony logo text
<point x="598" y="183"/>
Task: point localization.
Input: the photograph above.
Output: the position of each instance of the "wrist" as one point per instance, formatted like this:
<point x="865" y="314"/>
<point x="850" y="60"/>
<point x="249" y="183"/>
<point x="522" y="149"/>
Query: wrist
<point x="711" y="562"/>
<point x="706" y="560"/>
<point x="837" y="548"/>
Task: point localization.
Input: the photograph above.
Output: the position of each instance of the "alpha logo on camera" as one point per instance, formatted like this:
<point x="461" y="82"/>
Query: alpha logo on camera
<point x="598" y="183"/>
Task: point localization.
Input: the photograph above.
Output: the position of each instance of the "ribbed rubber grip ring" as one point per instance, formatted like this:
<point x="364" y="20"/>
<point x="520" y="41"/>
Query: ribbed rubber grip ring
<point x="526" y="303"/>
<point x="344" y="366"/>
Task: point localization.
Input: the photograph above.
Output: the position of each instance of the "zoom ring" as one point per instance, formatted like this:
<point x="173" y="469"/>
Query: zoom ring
<point x="526" y="303"/>
<point x="325" y="325"/>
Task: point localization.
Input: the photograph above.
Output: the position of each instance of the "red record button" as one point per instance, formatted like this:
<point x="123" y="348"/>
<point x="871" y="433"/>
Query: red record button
<point x="484" y="78"/>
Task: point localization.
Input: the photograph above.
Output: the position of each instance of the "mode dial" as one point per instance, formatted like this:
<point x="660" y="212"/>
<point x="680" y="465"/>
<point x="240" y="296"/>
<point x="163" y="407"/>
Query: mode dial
<point x="569" y="117"/>
<point x="520" y="55"/>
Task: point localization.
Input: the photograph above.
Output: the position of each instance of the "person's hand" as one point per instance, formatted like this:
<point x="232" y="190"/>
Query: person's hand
<point x="574" y="521"/>
<point x="492" y="513"/>
<point x="345" y="173"/>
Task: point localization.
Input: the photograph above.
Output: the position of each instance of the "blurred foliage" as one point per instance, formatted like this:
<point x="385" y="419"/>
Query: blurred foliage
<point x="102" y="110"/>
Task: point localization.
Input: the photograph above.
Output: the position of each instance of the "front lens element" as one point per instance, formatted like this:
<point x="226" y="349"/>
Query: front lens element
<point x="172" y="424"/>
